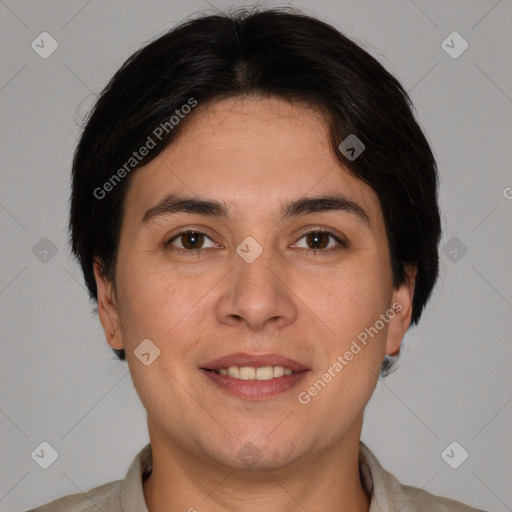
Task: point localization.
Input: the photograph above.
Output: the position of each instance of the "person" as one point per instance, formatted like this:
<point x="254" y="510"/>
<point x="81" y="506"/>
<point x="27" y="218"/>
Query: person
<point x="254" y="208"/>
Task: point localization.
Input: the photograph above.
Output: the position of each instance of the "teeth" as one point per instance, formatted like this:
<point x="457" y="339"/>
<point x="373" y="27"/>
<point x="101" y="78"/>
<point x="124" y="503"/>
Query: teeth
<point x="234" y="371"/>
<point x="265" y="373"/>
<point x="247" y="373"/>
<point x="278" y="371"/>
<point x="250" y="373"/>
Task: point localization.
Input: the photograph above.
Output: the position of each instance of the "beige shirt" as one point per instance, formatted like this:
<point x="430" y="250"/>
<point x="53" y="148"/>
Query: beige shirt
<point x="387" y="493"/>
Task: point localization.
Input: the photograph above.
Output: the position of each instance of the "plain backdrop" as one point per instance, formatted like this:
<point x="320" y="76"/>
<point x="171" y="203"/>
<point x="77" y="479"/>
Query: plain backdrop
<point x="60" y="381"/>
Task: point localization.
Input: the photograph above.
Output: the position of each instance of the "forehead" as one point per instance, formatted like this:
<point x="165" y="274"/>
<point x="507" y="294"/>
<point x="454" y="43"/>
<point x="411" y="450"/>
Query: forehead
<point x="253" y="154"/>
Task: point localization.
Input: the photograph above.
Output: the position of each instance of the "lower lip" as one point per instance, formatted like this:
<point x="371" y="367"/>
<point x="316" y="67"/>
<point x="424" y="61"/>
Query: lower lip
<point x="255" y="389"/>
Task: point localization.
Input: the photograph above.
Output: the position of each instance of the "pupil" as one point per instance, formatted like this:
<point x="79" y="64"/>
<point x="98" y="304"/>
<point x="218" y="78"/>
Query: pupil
<point x="195" y="239"/>
<point x="315" y="237"/>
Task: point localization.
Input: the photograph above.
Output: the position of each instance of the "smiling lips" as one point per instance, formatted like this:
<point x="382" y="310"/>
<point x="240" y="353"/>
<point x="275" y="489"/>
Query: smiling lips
<point x="255" y="376"/>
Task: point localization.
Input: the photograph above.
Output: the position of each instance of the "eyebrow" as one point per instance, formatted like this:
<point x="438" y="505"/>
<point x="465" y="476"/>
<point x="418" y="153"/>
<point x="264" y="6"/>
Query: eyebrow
<point x="174" y="203"/>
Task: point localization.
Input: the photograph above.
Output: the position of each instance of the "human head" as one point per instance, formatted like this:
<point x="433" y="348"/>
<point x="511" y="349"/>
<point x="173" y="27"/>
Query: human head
<point x="271" y="53"/>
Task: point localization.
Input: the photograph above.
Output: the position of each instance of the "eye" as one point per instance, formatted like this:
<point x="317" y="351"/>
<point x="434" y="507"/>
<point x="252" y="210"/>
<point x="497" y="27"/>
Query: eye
<point x="191" y="240"/>
<point x="320" y="240"/>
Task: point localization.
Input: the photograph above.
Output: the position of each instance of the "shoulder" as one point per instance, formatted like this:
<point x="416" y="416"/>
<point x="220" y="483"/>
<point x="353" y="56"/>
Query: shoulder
<point x="414" y="499"/>
<point x="389" y="494"/>
<point x="104" y="497"/>
<point x="112" y="497"/>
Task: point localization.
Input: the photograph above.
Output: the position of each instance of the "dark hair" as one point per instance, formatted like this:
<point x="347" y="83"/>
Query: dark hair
<point x="267" y="52"/>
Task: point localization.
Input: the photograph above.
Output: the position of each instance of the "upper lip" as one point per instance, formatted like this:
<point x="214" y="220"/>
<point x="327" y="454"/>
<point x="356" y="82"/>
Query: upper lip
<point x="243" y="359"/>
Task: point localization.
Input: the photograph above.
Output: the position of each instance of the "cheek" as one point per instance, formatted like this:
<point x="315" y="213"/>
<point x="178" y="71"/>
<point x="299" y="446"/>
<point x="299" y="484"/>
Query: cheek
<point x="347" y="304"/>
<point x="151" y="301"/>
<point x="348" y="299"/>
<point x="352" y="350"/>
<point x="167" y="307"/>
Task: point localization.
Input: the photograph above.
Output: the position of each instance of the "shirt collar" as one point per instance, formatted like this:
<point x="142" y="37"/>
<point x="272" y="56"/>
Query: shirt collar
<point x="381" y="485"/>
<point x="132" y="492"/>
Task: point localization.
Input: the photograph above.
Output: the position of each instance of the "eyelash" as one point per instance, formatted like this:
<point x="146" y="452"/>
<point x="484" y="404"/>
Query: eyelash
<point x="341" y="242"/>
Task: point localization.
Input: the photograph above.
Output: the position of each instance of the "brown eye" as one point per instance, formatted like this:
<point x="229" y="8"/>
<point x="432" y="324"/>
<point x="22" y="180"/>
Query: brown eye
<point x="190" y="240"/>
<point x="317" y="239"/>
<point x="321" y="240"/>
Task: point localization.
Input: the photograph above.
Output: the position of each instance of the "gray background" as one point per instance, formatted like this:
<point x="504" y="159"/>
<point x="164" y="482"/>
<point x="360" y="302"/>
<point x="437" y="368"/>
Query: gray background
<point x="60" y="380"/>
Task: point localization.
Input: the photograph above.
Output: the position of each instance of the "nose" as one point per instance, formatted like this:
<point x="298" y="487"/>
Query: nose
<point x="257" y="293"/>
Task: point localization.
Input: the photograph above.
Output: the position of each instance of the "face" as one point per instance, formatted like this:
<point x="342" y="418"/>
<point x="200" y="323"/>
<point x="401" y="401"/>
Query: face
<point x="254" y="286"/>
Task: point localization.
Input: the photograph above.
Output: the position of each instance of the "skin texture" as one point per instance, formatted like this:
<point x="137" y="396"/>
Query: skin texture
<point x="255" y="154"/>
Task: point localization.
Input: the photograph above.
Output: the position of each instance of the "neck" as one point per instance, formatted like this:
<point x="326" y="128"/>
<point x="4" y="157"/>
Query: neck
<point x="186" y="481"/>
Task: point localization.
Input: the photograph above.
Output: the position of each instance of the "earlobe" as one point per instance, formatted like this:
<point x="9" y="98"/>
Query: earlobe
<point x="402" y="304"/>
<point x="107" y="308"/>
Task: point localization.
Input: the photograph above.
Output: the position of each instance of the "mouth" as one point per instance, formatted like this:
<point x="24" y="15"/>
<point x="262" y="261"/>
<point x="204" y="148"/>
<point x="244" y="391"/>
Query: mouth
<point x="254" y="377"/>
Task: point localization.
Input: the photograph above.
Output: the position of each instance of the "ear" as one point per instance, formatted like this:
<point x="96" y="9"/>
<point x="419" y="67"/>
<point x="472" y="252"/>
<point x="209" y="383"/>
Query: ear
<point x="402" y="305"/>
<point x="107" y="308"/>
